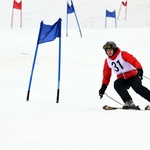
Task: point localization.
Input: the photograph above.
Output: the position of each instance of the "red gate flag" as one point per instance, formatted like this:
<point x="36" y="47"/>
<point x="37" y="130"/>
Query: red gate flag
<point x="49" y="32"/>
<point x="124" y="3"/>
<point x="17" y="5"/>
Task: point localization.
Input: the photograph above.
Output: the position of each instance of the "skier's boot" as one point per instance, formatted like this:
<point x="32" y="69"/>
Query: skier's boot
<point x="130" y="105"/>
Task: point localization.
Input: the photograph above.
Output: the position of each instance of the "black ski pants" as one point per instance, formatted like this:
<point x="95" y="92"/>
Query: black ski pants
<point x="122" y="85"/>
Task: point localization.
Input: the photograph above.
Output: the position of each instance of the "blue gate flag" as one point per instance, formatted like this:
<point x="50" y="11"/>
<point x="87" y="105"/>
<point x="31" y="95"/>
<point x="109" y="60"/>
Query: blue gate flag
<point x="49" y="32"/>
<point x="111" y="14"/>
<point x="70" y="8"/>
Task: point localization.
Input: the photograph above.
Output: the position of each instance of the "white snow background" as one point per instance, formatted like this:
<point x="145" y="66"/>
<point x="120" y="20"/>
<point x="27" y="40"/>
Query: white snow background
<point x="78" y="121"/>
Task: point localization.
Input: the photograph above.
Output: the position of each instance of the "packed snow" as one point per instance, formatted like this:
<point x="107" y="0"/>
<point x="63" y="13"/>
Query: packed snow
<point x="78" y="121"/>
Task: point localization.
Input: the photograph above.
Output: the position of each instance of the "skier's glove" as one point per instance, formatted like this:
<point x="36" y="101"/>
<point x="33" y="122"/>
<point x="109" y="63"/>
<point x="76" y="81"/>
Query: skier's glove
<point x="140" y="73"/>
<point x="102" y="90"/>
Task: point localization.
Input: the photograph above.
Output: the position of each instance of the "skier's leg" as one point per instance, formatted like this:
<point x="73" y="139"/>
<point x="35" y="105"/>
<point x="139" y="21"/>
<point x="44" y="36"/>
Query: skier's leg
<point x="121" y="87"/>
<point x="137" y="86"/>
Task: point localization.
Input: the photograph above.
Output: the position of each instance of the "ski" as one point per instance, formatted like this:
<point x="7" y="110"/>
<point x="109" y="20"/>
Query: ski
<point x="147" y="107"/>
<point x="106" y="107"/>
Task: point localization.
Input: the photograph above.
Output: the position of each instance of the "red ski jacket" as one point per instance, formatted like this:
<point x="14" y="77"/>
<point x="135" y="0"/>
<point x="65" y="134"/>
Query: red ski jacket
<point x="126" y="58"/>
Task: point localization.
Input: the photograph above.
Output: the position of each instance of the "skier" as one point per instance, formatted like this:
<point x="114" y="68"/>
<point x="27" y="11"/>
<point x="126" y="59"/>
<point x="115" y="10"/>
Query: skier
<point x="129" y="74"/>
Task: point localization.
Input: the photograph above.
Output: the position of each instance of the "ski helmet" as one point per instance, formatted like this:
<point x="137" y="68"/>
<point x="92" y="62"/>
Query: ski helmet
<point x="109" y="45"/>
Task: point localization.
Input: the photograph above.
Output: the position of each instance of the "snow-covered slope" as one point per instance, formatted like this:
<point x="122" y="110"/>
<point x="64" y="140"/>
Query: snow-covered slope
<point x="77" y="122"/>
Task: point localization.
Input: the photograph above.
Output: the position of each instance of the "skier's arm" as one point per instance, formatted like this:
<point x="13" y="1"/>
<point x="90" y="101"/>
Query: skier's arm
<point x="131" y="59"/>
<point x="106" y="79"/>
<point x="106" y="73"/>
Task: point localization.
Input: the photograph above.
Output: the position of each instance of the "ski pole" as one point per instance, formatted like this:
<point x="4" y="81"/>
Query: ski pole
<point x="146" y="77"/>
<point x="113" y="99"/>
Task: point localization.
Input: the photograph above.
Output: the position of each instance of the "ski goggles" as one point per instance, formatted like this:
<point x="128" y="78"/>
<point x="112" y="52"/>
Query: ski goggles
<point x="107" y="46"/>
